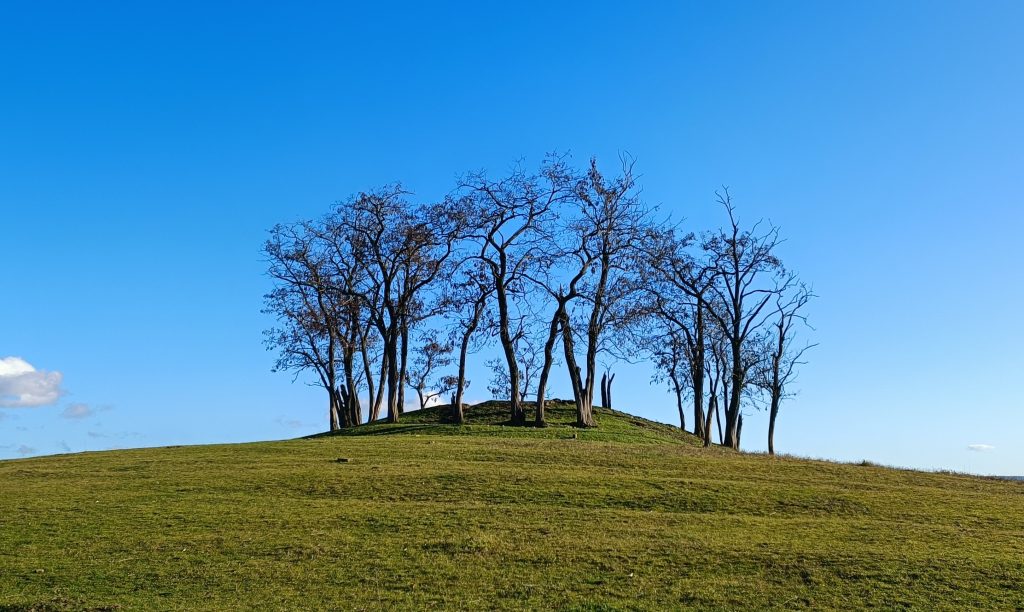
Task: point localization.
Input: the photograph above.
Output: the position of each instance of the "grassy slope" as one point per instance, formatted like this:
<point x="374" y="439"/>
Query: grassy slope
<point x="633" y="515"/>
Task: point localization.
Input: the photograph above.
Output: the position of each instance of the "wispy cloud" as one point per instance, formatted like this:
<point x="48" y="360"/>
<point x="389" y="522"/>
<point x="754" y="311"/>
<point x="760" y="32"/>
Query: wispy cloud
<point x="22" y="386"/>
<point x="980" y="448"/>
<point x="77" y="411"/>
<point x="25" y="450"/>
<point x="292" y="423"/>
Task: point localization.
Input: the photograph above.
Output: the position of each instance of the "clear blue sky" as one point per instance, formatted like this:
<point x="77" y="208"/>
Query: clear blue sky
<point x="144" y="151"/>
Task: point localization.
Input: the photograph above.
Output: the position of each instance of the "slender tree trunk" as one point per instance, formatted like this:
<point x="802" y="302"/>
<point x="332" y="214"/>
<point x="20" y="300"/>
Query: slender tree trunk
<point x="367" y="372"/>
<point x="549" y="359"/>
<point x="771" y="422"/>
<point x="393" y="382"/>
<point x="341" y="403"/>
<point x="382" y="378"/>
<point x="611" y="379"/>
<point x="697" y="374"/>
<point x="584" y="410"/>
<point x="518" y="416"/>
<point x="679" y="401"/>
<point x="718" y="412"/>
<point x="732" y="413"/>
<point x="458" y="415"/>
<point x="404" y="368"/>
<point x="332" y="414"/>
<point x="712" y="407"/>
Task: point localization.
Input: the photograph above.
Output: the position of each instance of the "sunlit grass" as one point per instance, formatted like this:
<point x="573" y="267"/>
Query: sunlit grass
<point x="632" y="515"/>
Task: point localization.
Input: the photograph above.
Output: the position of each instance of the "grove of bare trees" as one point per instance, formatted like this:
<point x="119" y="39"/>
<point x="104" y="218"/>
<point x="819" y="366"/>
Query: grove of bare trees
<point x="559" y="270"/>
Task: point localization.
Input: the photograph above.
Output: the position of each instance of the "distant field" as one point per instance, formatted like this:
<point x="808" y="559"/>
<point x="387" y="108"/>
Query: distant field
<point x="633" y="515"/>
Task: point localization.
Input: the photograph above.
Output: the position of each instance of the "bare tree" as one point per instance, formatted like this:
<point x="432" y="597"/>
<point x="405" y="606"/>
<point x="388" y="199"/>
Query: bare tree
<point x="678" y="290"/>
<point x="430" y="354"/>
<point x="316" y="322"/>
<point x="402" y="250"/>
<point x="466" y="303"/>
<point x="782" y="358"/>
<point x="511" y="218"/>
<point x="611" y="220"/>
<point x="746" y="281"/>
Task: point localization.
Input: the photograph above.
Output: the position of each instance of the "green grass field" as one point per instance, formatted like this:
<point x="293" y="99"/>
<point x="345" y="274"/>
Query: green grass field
<point x="633" y="515"/>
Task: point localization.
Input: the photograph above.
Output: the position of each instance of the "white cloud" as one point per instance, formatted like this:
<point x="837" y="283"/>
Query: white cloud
<point x="77" y="411"/>
<point x="980" y="448"/>
<point x="26" y="450"/>
<point x="21" y="385"/>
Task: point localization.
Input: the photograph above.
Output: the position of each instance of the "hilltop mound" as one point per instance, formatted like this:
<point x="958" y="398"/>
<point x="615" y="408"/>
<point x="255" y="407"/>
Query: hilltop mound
<point x="632" y="515"/>
<point x="491" y="418"/>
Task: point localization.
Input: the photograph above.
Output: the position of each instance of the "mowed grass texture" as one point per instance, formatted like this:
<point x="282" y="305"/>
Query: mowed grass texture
<point x="633" y="515"/>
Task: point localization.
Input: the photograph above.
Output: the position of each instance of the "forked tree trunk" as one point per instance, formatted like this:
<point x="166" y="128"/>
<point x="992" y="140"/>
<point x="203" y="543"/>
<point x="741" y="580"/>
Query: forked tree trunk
<point x="368" y="374"/>
<point x="584" y="410"/>
<point x="549" y="359"/>
<point x="458" y="415"/>
<point x="606" y="390"/>
<point x="712" y="408"/>
<point x="333" y="414"/>
<point x="382" y="378"/>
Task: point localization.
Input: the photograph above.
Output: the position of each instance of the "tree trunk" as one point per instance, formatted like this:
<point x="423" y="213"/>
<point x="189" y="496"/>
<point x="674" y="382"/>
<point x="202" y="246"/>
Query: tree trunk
<point x="679" y="402"/>
<point x="367" y="372"/>
<point x="712" y="408"/>
<point x="611" y="379"/>
<point x="458" y="416"/>
<point x="549" y="359"/>
<point x="351" y="405"/>
<point x="333" y="415"/>
<point x="393" y="383"/>
<point x="378" y="400"/>
<point x="518" y="416"/>
<point x="584" y="410"/>
<point x="718" y="415"/>
<point x="732" y="412"/>
<point x="404" y="368"/>
<point x="697" y="373"/>
<point x="771" y="422"/>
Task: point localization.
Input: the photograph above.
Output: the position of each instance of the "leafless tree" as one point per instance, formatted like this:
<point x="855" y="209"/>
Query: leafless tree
<point x="611" y="221"/>
<point x="678" y="288"/>
<point x="317" y="322"/>
<point x="511" y="217"/>
<point x="465" y="304"/>
<point x="402" y="249"/>
<point x="430" y="355"/>
<point x="746" y="271"/>
<point x="782" y="358"/>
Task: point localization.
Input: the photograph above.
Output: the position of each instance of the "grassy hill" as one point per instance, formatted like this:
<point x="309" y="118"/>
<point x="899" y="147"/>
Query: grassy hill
<point x="633" y="515"/>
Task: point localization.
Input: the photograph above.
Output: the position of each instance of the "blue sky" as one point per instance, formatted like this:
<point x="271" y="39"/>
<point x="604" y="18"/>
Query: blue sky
<point x="145" y="150"/>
